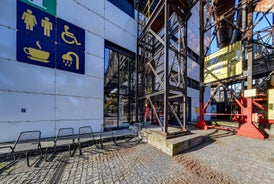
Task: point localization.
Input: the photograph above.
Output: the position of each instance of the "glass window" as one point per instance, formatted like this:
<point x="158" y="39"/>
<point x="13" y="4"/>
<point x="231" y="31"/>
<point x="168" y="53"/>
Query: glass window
<point x="119" y="93"/>
<point x="193" y="83"/>
<point x="192" y="55"/>
<point x="126" y="6"/>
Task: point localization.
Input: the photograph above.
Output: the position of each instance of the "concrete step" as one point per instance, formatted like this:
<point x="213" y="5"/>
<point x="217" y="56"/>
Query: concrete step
<point x="176" y="145"/>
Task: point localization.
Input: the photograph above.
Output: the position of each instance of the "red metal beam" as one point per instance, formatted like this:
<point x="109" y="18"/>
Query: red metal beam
<point x="248" y="129"/>
<point x="222" y="114"/>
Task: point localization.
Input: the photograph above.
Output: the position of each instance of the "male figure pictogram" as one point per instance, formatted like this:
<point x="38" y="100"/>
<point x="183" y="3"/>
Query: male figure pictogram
<point x="47" y="25"/>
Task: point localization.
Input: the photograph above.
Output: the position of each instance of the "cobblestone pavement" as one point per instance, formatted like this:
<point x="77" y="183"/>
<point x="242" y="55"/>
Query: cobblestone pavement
<point x="223" y="158"/>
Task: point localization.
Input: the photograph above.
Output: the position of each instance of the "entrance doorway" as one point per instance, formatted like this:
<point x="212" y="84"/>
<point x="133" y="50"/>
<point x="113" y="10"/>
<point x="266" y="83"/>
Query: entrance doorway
<point x="119" y="103"/>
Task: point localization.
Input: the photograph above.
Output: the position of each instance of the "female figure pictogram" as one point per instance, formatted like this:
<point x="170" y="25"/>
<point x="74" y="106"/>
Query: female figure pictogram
<point x="29" y="19"/>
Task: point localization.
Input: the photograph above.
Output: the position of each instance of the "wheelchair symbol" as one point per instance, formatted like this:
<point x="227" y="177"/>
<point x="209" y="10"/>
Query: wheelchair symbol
<point x="69" y="37"/>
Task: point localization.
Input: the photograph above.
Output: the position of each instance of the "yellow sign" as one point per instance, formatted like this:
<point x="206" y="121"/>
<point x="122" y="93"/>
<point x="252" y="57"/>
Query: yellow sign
<point x="250" y="93"/>
<point x="271" y="104"/>
<point x="196" y="110"/>
<point x="225" y="63"/>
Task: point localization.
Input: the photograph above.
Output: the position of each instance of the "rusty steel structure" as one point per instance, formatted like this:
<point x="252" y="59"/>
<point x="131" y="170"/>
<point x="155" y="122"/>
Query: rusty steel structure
<point x="162" y="61"/>
<point x="246" y="22"/>
<point x="162" y="57"/>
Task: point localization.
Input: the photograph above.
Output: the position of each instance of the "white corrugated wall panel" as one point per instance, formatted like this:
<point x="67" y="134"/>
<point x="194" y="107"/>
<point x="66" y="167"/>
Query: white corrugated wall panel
<point x="94" y="66"/>
<point x="119" y="36"/>
<point x="8" y="13"/>
<point x="17" y="76"/>
<point x="7" y="43"/>
<point x="94" y="45"/>
<point x="73" y="84"/>
<point x="93" y="5"/>
<point x="121" y="19"/>
<point x="10" y="131"/>
<point x="38" y="106"/>
<point x="77" y="108"/>
<point x="80" y="16"/>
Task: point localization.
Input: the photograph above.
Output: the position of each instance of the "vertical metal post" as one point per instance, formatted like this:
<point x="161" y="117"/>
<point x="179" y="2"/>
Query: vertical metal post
<point x="201" y="60"/>
<point x="185" y="76"/>
<point x="137" y="72"/>
<point x="148" y="8"/>
<point x="243" y="28"/>
<point x="166" y="60"/>
<point x="201" y="123"/>
<point x="272" y="29"/>
<point x="180" y="59"/>
<point x="129" y="98"/>
<point x="248" y="129"/>
<point x="249" y="44"/>
<point x="118" y="91"/>
<point x="201" y="57"/>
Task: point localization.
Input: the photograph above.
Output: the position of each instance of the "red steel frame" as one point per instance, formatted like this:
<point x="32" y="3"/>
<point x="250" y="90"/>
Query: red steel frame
<point x="247" y="128"/>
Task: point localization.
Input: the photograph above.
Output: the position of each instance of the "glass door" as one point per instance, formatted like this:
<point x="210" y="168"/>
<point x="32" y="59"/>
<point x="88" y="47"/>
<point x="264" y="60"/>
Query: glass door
<point x="118" y="89"/>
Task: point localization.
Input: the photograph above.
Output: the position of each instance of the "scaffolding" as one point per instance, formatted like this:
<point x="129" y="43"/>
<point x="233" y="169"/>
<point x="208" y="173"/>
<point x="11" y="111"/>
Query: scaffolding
<point x="235" y="29"/>
<point x="161" y="67"/>
<point x="228" y="22"/>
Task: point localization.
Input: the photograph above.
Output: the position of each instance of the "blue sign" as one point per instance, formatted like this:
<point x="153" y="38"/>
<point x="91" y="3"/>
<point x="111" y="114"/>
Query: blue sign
<point x="70" y="59"/>
<point x="45" y="40"/>
<point x="70" y="35"/>
<point x="35" y="22"/>
<point x="34" y="51"/>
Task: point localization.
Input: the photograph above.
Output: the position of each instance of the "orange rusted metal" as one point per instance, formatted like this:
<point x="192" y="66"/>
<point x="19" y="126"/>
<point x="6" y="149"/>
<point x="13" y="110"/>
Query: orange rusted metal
<point x="201" y="123"/>
<point x="248" y="129"/>
<point x="220" y="9"/>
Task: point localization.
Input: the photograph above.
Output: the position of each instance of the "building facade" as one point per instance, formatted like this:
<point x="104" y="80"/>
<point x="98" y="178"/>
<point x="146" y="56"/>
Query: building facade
<point x="80" y="71"/>
<point x="37" y="97"/>
<point x="193" y="65"/>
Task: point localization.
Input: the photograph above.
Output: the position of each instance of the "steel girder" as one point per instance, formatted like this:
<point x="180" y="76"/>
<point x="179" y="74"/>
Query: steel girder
<point x="162" y="64"/>
<point x="257" y="49"/>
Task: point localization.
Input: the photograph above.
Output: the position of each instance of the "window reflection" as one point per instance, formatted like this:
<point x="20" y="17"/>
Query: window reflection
<point x="118" y="89"/>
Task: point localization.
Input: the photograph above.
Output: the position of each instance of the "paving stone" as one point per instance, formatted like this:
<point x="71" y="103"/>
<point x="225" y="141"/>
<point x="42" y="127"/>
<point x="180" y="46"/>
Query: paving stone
<point x="225" y="158"/>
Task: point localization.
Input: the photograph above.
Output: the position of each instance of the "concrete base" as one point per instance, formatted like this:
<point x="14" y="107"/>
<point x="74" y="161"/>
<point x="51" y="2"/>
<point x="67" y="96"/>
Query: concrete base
<point x="173" y="146"/>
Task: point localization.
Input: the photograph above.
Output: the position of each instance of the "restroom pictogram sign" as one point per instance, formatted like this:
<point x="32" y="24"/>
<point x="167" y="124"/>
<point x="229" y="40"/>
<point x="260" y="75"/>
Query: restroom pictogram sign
<point x="35" y="23"/>
<point x="48" y="41"/>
